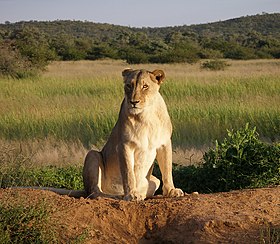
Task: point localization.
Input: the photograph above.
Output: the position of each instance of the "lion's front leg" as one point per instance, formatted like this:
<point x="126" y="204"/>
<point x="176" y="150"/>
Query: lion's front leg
<point x="164" y="159"/>
<point x="126" y="160"/>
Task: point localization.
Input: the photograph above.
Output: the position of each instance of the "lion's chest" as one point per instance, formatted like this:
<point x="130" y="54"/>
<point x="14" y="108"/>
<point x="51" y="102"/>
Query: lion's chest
<point x="145" y="138"/>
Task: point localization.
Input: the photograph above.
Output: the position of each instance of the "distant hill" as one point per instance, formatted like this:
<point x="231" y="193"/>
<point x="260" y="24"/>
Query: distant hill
<point x="76" y="29"/>
<point x="247" y="37"/>
<point x="264" y="24"/>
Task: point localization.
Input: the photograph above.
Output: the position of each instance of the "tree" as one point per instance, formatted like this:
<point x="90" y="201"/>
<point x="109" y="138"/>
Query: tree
<point x="33" y="45"/>
<point x="184" y="51"/>
<point x="134" y="55"/>
<point x="12" y="63"/>
<point x="102" y="50"/>
<point x="64" y="45"/>
<point x="235" y="51"/>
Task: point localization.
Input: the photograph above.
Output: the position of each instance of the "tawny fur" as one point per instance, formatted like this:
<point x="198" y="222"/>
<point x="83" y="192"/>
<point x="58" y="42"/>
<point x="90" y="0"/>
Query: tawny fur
<point x="141" y="135"/>
<point x="123" y="168"/>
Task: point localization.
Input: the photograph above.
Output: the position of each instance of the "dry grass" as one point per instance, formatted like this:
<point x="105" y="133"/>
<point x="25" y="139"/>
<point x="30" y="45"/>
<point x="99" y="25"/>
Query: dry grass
<point x="111" y="68"/>
<point x="188" y="156"/>
<point x="43" y="152"/>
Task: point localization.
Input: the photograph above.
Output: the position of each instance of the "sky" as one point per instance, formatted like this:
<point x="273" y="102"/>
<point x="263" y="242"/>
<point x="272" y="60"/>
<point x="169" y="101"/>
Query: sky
<point x="135" y="13"/>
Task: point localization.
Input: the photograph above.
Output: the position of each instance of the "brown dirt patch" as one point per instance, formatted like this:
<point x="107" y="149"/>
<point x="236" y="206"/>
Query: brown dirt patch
<point x="235" y="217"/>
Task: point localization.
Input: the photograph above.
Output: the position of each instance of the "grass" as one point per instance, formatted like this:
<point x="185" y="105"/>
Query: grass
<point x="18" y="169"/>
<point x="78" y="102"/>
<point x="20" y="223"/>
<point x="269" y="234"/>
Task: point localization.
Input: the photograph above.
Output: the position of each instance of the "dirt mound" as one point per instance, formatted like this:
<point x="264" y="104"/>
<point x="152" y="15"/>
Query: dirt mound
<point x="238" y="216"/>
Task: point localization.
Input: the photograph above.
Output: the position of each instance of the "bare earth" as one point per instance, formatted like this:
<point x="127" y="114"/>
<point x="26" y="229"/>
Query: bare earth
<point x="234" y="217"/>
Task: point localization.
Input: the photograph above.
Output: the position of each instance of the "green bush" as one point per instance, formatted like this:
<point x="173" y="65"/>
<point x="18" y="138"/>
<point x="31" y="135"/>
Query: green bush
<point x="179" y="53"/>
<point x="240" y="161"/>
<point x="25" y="224"/>
<point x="33" y="45"/>
<point x="214" y="65"/>
<point x="67" y="177"/>
<point x="235" y="51"/>
<point x="12" y="63"/>
<point x="134" y="55"/>
<point x="24" y="53"/>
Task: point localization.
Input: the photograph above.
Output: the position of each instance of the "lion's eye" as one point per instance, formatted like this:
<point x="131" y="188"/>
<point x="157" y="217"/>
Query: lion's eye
<point x="145" y="86"/>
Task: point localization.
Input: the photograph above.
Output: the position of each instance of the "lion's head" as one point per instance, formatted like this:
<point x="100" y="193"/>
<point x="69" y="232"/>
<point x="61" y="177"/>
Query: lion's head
<point x="140" y="87"/>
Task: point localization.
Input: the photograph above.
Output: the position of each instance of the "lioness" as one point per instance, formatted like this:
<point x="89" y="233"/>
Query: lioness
<point x="123" y="169"/>
<point x="141" y="135"/>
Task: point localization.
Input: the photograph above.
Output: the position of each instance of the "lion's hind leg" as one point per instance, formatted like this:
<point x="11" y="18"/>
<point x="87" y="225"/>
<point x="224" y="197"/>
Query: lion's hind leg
<point x="92" y="176"/>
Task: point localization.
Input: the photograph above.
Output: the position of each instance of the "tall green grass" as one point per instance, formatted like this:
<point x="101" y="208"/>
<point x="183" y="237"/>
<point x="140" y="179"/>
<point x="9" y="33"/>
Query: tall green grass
<point x="84" y="105"/>
<point x="201" y="112"/>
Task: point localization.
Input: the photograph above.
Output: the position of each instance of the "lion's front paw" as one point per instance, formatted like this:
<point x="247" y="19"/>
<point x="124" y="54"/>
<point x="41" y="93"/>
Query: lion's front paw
<point x="174" y="192"/>
<point x="134" y="196"/>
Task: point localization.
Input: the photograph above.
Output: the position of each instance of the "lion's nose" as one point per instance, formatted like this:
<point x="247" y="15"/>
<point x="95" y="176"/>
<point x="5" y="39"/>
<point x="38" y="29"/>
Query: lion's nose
<point x="134" y="103"/>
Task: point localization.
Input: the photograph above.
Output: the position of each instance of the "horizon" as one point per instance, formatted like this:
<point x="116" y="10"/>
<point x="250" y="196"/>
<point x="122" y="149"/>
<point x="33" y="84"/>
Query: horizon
<point x="133" y="13"/>
<point x="88" y="21"/>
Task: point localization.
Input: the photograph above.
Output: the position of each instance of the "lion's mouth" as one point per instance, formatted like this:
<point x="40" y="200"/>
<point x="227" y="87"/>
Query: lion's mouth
<point x="134" y="110"/>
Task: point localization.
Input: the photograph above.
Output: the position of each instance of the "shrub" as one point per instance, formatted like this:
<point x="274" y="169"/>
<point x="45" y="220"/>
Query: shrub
<point x="242" y="161"/>
<point x="134" y="55"/>
<point x="234" y="51"/>
<point x="67" y="177"/>
<point x="214" y="65"/>
<point x="34" y="46"/>
<point x="12" y="63"/>
<point x="181" y="53"/>
<point x="50" y="176"/>
<point x="25" y="224"/>
<point x="24" y="53"/>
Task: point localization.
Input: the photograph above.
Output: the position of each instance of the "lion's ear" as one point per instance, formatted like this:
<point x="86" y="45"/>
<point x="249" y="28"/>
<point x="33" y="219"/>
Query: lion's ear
<point x="159" y="75"/>
<point x="126" y="72"/>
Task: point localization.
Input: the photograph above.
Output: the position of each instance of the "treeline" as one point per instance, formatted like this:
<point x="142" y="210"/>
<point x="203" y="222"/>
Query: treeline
<point x="33" y="44"/>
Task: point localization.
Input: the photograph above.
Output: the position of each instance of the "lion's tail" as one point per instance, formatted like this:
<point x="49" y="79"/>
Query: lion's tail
<point x="60" y="191"/>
